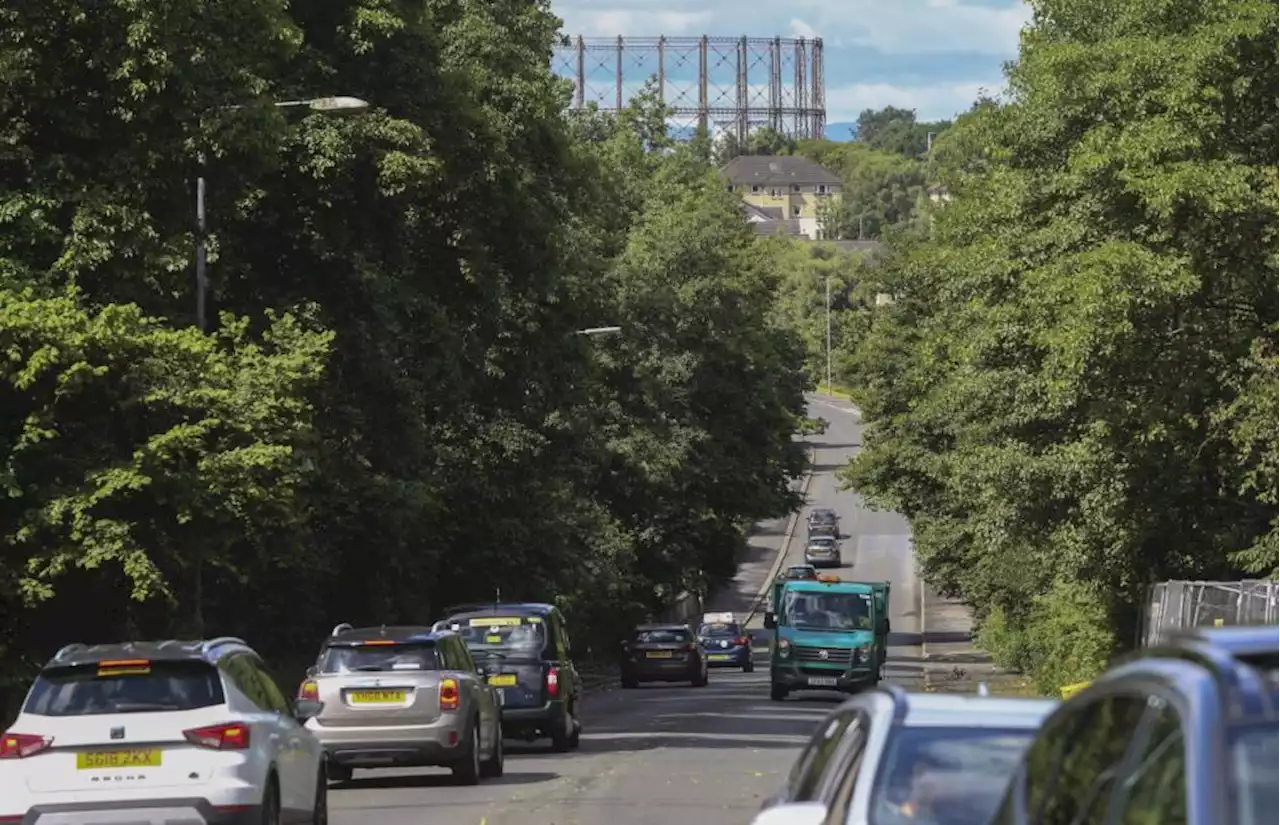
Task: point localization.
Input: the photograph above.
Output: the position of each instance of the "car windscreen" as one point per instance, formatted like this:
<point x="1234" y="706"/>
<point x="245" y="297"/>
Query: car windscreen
<point x="519" y="636"/>
<point x="821" y="610"/>
<point x="945" y="775"/>
<point x="1254" y="755"/>
<point x="379" y="656"/>
<point x="719" y="630"/>
<point x="661" y="637"/>
<point x="125" y="686"/>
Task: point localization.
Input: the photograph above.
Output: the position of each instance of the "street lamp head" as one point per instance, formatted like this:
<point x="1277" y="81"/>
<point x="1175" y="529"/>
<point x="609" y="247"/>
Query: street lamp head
<point x="599" y="331"/>
<point x="338" y="104"/>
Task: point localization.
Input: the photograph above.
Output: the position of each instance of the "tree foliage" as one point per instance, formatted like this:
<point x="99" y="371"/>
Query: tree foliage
<point x="897" y="131"/>
<point x="1074" y="392"/>
<point x="395" y="410"/>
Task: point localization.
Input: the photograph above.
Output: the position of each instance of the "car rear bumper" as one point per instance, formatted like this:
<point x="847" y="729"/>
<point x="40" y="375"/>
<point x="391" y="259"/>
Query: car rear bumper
<point x="357" y="746"/>
<point x="541" y="719"/>
<point x="662" y="671"/>
<point x="737" y="656"/>
<point x="142" y="812"/>
<point x="822" y="561"/>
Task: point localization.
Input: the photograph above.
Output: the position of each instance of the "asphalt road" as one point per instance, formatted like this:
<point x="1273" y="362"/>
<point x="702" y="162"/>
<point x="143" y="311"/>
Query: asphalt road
<point x="663" y="754"/>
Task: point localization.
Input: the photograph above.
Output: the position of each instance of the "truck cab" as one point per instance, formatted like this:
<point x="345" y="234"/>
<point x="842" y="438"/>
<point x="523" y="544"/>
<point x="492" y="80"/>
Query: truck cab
<point x="828" y="634"/>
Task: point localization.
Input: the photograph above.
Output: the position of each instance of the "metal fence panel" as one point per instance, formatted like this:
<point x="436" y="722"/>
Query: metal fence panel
<point x="1175" y="605"/>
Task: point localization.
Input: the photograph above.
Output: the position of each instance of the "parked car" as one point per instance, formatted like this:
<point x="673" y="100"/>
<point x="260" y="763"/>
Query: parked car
<point x="172" y="731"/>
<point x="404" y="697"/>
<point x="887" y="757"/>
<point x="1182" y="734"/>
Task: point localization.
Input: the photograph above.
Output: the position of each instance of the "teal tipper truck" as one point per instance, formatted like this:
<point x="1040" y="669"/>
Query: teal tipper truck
<point x="827" y="635"/>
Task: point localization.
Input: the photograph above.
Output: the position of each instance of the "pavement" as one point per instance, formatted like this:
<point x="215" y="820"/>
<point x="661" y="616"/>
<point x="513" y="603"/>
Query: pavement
<point x="665" y="754"/>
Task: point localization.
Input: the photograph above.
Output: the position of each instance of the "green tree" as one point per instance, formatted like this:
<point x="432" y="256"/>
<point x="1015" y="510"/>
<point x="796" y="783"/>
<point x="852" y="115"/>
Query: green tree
<point x="897" y="131"/>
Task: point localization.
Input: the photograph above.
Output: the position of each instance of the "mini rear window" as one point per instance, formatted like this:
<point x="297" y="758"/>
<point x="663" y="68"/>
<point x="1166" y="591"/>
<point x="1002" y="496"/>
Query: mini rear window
<point x="377" y="658"/>
<point x="661" y="637"/>
<point x="145" y="687"/>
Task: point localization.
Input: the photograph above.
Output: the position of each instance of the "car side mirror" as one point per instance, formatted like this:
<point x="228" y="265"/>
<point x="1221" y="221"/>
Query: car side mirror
<point x="312" y="671"/>
<point x="796" y="813"/>
<point x="304" y="709"/>
<point x="770" y="621"/>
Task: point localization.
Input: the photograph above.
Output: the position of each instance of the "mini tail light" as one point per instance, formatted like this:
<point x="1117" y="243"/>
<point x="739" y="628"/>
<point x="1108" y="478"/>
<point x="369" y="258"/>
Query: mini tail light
<point x="22" y="745"/>
<point x="553" y="683"/>
<point x="228" y="737"/>
<point x="448" y="694"/>
<point x="310" y="689"/>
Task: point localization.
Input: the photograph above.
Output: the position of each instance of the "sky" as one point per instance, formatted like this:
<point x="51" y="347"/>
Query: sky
<point x="933" y="56"/>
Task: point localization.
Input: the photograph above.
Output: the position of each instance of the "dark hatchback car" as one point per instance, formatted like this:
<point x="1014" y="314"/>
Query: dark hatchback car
<point x="663" y="653"/>
<point x="525" y="651"/>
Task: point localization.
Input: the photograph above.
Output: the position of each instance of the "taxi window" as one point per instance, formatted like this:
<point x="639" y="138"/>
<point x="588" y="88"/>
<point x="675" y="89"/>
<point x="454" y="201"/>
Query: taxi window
<point x="509" y="635"/>
<point x="718" y="629"/>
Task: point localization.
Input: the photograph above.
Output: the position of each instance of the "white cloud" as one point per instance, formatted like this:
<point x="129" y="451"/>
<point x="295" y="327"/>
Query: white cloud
<point x="932" y="102"/>
<point x="799" y="28"/>
<point x="632" y="22"/>
<point x="918" y="26"/>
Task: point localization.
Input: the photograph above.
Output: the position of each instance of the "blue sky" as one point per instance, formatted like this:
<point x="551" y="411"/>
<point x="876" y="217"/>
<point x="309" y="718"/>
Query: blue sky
<point x="929" y="55"/>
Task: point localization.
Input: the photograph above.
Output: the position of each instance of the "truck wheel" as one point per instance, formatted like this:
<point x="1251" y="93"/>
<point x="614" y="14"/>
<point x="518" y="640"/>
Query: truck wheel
<point x="777" y="692"/>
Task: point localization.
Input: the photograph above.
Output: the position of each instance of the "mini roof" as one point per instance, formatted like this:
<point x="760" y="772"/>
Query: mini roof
<point x="396" y="633"/>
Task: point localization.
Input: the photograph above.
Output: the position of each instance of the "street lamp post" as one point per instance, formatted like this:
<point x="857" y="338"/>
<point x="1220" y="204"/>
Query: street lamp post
<point x="323" y="105"/>
<point x="828" y="280"/>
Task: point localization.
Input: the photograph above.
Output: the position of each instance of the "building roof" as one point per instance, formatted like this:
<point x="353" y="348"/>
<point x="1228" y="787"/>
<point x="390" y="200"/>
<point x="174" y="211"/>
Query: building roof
<point x="771" y="170"/>
<point x="777" y="227"/>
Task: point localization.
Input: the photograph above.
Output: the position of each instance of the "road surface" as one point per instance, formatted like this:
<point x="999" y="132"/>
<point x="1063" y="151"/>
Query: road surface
<point x="662" y="754"/>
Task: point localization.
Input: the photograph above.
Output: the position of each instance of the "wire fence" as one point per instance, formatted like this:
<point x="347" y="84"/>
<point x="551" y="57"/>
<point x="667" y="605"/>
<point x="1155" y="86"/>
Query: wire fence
<point x="1175" y="605"/>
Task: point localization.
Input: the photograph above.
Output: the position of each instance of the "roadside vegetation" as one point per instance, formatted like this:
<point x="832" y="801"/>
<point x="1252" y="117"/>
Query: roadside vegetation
<point x="392" y="410"/>
<point x="1071" y="378"/>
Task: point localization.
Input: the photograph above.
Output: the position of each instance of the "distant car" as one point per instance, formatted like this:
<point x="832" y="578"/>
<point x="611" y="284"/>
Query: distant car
<point x="529" y="657"/>
<point x="822" y="552"/>
<point x="151" y="732"/>
<point x="404" y="697"/>
<point x="663" y="653"/>
<point x="1184" y="733"/>
<point x="887" y="757"/>
<point x="800" y="571"/>
<point x="725" y="642"/>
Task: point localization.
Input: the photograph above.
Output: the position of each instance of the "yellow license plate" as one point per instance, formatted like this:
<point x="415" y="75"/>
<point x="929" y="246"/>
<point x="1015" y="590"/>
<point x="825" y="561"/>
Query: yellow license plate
<point x="503" y="680"/>
<point x="377" y="697"/>
<point x="94" y="760"/>
<point x="659" y="654"/>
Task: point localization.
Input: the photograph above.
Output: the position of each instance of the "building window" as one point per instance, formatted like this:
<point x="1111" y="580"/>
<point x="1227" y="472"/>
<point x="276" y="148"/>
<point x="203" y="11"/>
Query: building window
<point x="755" y="189"/>
<point x="729" y="187"/>
<point x="795" y="211"/>
<point x="822" y="189"/>
<point x="795" y="187"/>
<point x="775" y="193"/>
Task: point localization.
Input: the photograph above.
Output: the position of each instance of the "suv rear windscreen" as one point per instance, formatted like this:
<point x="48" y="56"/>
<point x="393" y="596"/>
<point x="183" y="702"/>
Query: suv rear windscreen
<point x="518" y="636"/>
<point x="133" y="686"/>
<point x="662" y="637"/>
<point x="379" y="657"/>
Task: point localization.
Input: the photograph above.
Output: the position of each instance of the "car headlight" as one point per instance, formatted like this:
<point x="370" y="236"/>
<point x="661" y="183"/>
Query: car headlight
<point x="863" y="654"/>
<point x="784" y="648"/>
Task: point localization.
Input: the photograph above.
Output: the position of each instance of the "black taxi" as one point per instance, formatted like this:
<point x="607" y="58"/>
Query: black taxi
<point x="524" y="650"/>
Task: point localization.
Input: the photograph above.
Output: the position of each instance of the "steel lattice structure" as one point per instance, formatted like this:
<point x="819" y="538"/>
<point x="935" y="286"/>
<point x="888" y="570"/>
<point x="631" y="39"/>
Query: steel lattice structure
<point x="719" y="83"/>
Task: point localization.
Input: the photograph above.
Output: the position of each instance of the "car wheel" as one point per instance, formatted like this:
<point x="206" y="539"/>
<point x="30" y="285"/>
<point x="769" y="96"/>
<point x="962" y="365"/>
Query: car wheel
<point x="320" y="807"/>
<point x="701" y="679"/>
<point x="271" y="803"/>
<point x="495" y="765"/>
<point x="467" y="771"/>
<point x="560" y="738"/>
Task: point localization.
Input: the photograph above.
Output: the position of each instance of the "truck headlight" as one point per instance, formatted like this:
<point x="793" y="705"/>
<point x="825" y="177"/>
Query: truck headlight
<point x="784" y="648"/>
<point x="863" y="654"/>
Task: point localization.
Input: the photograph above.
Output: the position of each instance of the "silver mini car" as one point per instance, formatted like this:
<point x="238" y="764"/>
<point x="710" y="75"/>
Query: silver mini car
<point x="404" y="697"/>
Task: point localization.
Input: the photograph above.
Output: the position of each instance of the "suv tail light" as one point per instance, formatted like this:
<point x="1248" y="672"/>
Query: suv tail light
<point x="310" y="689"/>
<point x="744" y="640"/>
<point x="22" y="745"/>
<point x="448" y="694"/>
<point x="229" y="737"/>
<point x="553" y="682"/>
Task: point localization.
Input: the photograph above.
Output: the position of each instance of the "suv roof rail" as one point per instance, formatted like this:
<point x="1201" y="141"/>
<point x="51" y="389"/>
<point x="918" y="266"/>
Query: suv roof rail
<point x="340" y="628"/>
<point x="66" y="650"/>
<point x="219" y="641"/>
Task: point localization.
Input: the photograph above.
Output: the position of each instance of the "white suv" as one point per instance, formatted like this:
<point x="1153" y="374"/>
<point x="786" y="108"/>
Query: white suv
<point x="163" y="733"/>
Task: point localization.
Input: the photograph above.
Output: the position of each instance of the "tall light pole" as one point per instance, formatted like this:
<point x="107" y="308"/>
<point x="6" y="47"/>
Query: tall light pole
<point x="828" y="280"/>
<point x="323" y="105"/>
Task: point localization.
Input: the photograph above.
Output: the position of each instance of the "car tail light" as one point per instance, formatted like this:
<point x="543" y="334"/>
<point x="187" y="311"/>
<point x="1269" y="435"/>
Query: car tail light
<point x="310" y="689"/>
<point x="22" y="745"/>
<point x="228" y="737"/>
<point x="688" y="647"/>
<point x="553" y="683"/>
<point x="448" y="694"/>
<point x="745" y="640"/>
